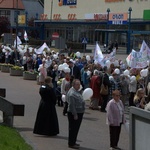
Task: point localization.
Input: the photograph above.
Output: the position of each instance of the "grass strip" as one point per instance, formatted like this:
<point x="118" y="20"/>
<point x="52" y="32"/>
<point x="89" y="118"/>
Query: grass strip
<point x="10" y="139"/>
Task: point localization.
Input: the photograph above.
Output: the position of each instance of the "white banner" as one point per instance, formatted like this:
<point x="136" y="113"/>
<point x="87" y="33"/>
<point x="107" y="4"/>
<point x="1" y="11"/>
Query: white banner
<point x="139" y="59"/>
<point x="111" y="57"/>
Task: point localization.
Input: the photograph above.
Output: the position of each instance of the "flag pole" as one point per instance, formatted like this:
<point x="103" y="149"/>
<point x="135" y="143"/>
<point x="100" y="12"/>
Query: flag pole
<point x="16" y="30"/>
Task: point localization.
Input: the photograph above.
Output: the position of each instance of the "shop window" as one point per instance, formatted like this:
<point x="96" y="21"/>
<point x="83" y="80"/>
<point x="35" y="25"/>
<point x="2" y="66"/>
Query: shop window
<point x="69" y="33"/>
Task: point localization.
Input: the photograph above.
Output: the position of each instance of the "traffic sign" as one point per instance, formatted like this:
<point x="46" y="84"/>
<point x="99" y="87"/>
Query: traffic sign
<point x="55" y="35"/>
<point x="84" y="41"/>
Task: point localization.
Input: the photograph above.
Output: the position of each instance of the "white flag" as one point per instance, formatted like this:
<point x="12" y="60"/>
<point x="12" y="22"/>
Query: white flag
<point x="25" y="36"/>
<point x="40" y="50"/>
<point x="98" y="56"/>
<point x="18" y="42"/>
<point x="144" y="47"/>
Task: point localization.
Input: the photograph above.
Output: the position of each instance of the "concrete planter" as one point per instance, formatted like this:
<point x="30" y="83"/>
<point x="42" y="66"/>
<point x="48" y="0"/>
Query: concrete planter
<point x="15" y="72"/>
<point x="28" y="76"/>
<point x="5" y="69"/>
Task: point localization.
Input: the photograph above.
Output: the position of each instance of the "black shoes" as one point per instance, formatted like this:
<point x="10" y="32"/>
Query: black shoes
<point x="76" y="146"/>
<point x="115" y="148"/>
<point x="102" y="110"/>
<point x="64" y="114"/>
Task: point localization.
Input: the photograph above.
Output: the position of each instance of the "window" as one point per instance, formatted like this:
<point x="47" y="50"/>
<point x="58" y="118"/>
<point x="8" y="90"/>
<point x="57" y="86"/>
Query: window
<point x="5" y="13"/>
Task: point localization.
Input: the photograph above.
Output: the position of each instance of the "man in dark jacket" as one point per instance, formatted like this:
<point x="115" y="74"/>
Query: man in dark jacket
<point x="75" y="71"/>
<point x="106" y="82"/>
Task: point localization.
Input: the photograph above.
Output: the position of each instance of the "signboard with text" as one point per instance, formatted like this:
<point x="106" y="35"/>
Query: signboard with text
<point x="118" y="18"/>
<point x="21" y="19"/>
<point x="96" y="16"/>
<point x="68" y="2"/>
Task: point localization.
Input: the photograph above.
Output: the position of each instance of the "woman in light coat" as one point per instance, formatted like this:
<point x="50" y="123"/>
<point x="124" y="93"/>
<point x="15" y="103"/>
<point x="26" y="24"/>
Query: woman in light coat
<point x="115" y="118"/>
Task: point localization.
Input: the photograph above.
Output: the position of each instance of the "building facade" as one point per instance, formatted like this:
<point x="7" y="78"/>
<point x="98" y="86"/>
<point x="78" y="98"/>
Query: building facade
<point x="98" y="20"/>
<point x="19" y="12"/>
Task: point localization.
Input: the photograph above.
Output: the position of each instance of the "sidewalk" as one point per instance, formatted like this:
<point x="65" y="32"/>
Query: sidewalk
<point x="93" y="134"/>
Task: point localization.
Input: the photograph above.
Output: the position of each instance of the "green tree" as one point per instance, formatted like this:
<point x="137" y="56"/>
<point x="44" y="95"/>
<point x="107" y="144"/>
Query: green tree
<point x="33" y="32"/>
<point x="4" y="25"/>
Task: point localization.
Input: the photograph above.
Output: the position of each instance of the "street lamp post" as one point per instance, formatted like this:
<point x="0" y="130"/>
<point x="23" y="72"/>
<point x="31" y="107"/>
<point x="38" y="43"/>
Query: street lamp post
<point x="26" y="18"/>
<point x="36" y="16"/>
<point x="129" y="28"/>
<point x="107" y="33"/>
<point x="51" y="10"/>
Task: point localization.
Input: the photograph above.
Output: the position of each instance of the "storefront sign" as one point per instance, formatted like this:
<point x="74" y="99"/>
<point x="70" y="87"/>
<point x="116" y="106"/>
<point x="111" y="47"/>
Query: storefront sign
<point x="100" y="16"/>
<point x="110" y="1"/>
<point x="43" y="16"/>
<point x="146" y="14"/>
<point x="21" y="19"/>
<point x="96" y="16"/>
<point x="114" y="1"/>
<point x="118" y="18"/>
<point x="57" y="17"/>
<point x="67" y="2"/>
<point x="72" y="17"/>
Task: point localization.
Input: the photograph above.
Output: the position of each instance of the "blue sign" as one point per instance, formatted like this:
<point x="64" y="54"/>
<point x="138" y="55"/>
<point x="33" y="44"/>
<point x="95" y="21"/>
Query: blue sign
<point x="69" y="2"/>
<point x="117" y="22"/>
<point x="118" y="18"/>
<point x="84" y="41"/>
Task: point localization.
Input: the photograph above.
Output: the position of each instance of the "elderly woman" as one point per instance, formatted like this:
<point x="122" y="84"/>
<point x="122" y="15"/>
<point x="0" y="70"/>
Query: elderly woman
<point x="95" y="86"/>
<point x="115" y="118"/>
<point x="139" y="98"/>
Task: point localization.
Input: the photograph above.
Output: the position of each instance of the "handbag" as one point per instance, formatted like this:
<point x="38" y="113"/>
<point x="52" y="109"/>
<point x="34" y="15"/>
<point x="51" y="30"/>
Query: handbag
<point x="103" y="89"/>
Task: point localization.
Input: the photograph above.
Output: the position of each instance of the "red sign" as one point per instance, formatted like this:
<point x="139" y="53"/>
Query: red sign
<point x="57" y="16"/>
<point x="72" y="17"/>
<point x="100" y="16"/>
<point x="55" y="35"/>
<point x="43" y="16"/>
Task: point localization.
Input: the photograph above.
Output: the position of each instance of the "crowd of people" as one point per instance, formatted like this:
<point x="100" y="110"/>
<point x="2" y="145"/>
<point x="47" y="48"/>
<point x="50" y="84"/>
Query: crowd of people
<point x="68" y="75"/>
